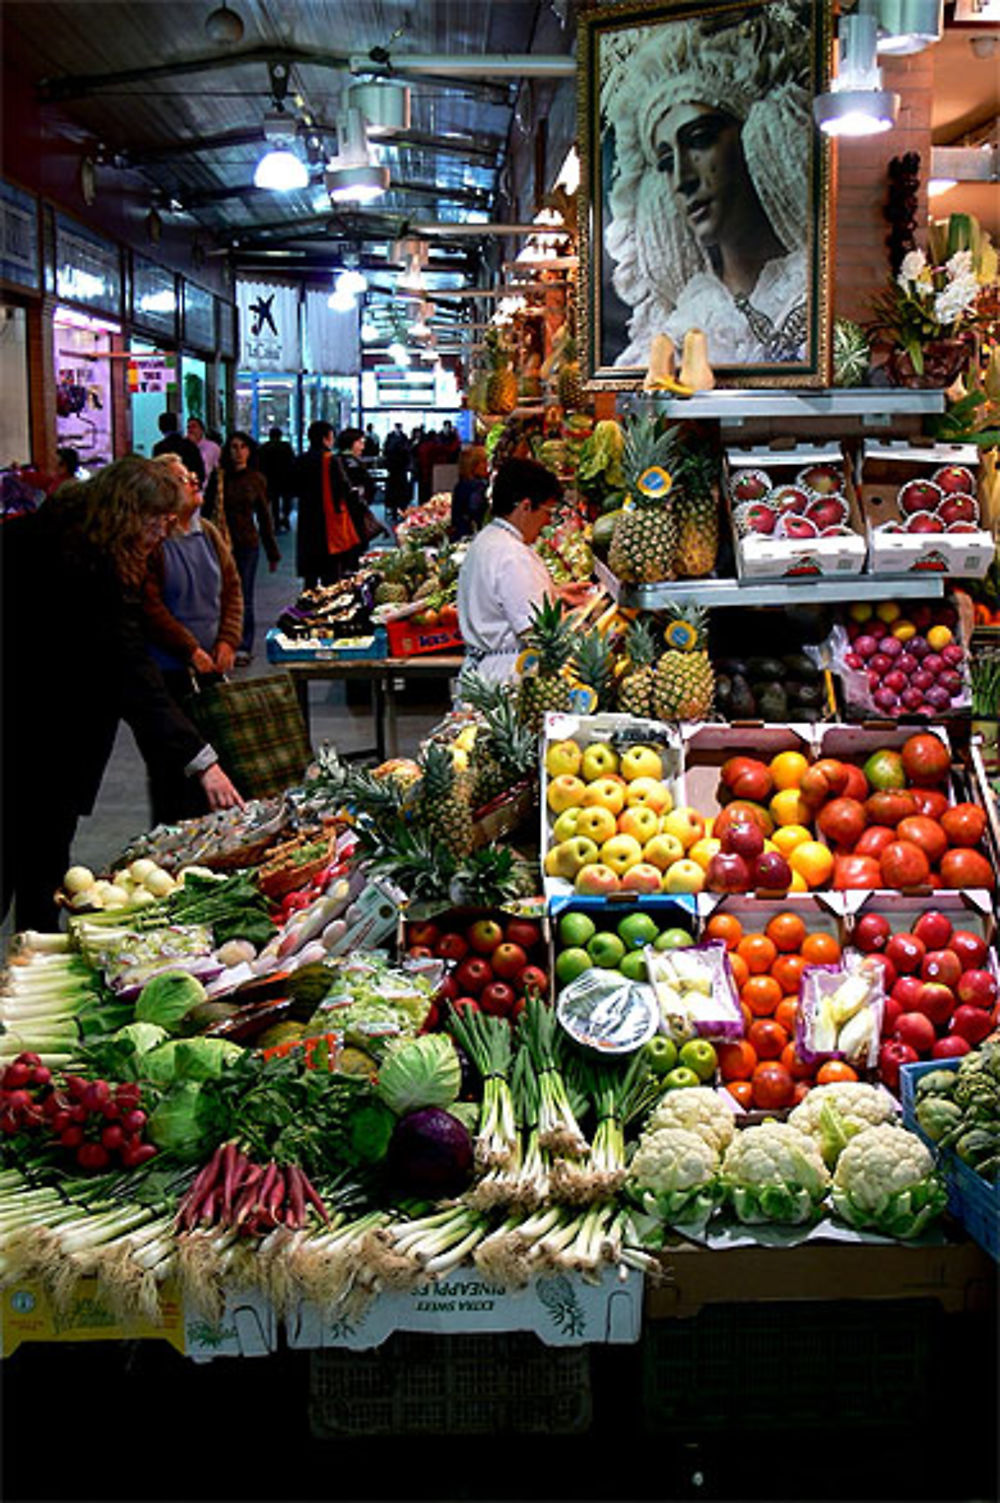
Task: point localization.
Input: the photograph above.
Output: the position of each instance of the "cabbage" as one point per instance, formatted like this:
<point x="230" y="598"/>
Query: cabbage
<point x="430" y="1154"/>
<point x="188" y="1059"/>
<point x="419" y="1072"/>
<point x="181" y="1122"/>
<point x="167" y="997"/>
<point x="141" y="1036"/>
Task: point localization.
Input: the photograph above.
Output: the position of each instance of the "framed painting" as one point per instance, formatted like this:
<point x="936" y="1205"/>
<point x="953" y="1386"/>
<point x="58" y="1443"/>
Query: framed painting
<point x="704" y="188"/>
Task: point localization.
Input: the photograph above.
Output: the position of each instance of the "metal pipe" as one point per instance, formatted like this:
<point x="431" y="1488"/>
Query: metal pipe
<point x="478" y="65"/>
<point x="444" y="227"/>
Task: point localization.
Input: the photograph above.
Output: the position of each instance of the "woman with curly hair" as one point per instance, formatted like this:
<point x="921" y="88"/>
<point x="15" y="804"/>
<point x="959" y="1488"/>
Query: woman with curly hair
<point x="75" y="664"/>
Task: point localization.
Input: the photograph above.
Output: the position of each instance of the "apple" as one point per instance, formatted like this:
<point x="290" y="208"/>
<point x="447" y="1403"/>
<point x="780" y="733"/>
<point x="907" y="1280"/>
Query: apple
<point x="661" y="1054"/>
<point x="420" y="952"/>
<point x="673" y="939"/>
<point x="597" y="880"/>
<point x="971" y="1024"/>
<point x="652" y="792"/>
<point x="606" y="792"/>
<point x="662" y="851"/>
<point x="451" y="947"/>
<point x="686" y="823"/>
<point x="569" y="857"/>
<point x="484" y="936"/>
<point x="796" y="527"/>
<point x="917" y="1030"/>
<point x="952" y="478"/>
<point x="698" y="1055"/>
<point x="508" y="961"/>
<point x="564" y="827"/>
<point x="598" y="760"/>
<point x="943" y="966"/>
<point x="532" y="979"/>
<point x="924" y="521"/>
<point x="497" y="998"/>
<point x="596" y="823"/>
<point x="905" y="991"/>
<point x="643" y="877"/>
<point x="575" y="928"/>
<point x="684" y="876"/>
<point x="743" y="838"/>
<point x="934" y="928"/>
<point x="473" y="974"/>
<point x="681" y="1078"/>
<point x="571" y="963"/>
<point x="758" y="516"/>
<point x="640" y="821"/>
<point x="523" y="932"/>
<point x="606" y="950"/>
<point x="918" y="495"/>
<point x="562" y="758"/>
<point x="885" y="965"/>
<point x="749" y="485"/>
<point x="970" y="948"/>
<point x="424" y="934"/>
<point x="936" y="1001"/>
<point x="771" y="873"/>
<point x="890" y="1012"/>
<point x="959" y="508"/>
<point x="703" y="850"/>
<point x="790" y="499"/>
<point x="977" y="988"/>
<point x="906" y="952"/>
<point x="565" y="792"/>
<point x="872" y="933"/>
<point x="829" y="512"/>
<point x="620" y="852"/>
<point x="641" y="762"/>
<point x="727" y="872"/>
<point x="952" y="1046"/>
<point x="892" y="1056"/>
<point x="633" y="966"/>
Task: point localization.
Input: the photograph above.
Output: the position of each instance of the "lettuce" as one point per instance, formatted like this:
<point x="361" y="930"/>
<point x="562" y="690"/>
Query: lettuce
<point x="420" y="1072"/>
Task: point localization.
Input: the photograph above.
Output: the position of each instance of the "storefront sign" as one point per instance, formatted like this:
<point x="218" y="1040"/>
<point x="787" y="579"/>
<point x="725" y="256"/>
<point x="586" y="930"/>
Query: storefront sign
<point x="152" y="373"/>
<point x="269" y="326"/>
<point x="18" y="237"/>
<point x="88" y="269"/>
<point x="154" y="296"/>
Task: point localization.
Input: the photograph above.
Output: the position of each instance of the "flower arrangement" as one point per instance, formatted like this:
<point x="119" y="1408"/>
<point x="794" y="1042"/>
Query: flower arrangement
<point x="928" y="303"/>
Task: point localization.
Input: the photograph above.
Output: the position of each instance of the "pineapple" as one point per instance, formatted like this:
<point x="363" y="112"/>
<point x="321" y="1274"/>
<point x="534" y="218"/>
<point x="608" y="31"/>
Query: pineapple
<point x="491" y="877"/>
<point x="635" y="692"/>
<point x="391" y="592"/>
<point x="443" y="800"/>
<point x="697" y="511"/>
<point x="505" y="752"/>
<point x="549" y="638"/>
<point x="684" y="684"/>
<point x="501" y="384"/>
<point x="644" y="542"/>
<point x="570" y="384"/>
<point x="593" y="668"/>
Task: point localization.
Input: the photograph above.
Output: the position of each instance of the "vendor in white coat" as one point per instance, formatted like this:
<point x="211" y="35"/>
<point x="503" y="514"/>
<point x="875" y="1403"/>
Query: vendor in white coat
<point x="502" y="578"/>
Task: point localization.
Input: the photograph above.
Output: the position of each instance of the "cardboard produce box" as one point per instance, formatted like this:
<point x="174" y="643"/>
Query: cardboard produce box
<point x="923" y="510"/>
<point x="794" y="512"/>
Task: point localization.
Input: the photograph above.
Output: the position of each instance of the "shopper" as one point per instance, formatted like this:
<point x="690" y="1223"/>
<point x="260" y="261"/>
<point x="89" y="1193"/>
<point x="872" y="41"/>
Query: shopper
<point x="210" y="451"/>
<point x="67" y="465"/>
<point x="372" y="448"/>
<point x="75" y="663"/>
<point x="398" y="485"/>
<point x="468" y="499"/>
<point x="247" y="524"/>
<point x="175" y="442"/>
<point x="328" y="544"/>
<point x="502" y="578"/>
<point x="276" y="459"/>
<point x="193" y="607"/>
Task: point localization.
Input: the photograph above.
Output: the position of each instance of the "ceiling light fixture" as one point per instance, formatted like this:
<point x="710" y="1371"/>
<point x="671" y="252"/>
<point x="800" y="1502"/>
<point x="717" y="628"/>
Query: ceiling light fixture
<point x="856" y="104"/>
<point x="384" y="105"/>
<point x="908" y="26"/>
<point x="341" y="301"/>
<point x="224" y="26"/>
<point x="351" y="281"/>
<point x="280" y="169"/>
<point x="352" y="176"/>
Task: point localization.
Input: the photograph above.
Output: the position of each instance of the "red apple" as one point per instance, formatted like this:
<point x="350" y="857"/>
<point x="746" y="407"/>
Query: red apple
<point x="420" y="952"/>
<point x="934" y="928"/>
<point x="958" y="508"/>
<point x="759" y="517"/>
<point x="451" y="946"/>
<point x="906" y="991"/>
<point x="744" y="838"/>
<point x="891" y="1010"/>
<point x="918" y="495"/>
<point x="971" y="1023"/>
<point x="977" y="988"/>
<point x="497" y="998"/>
<point x="969" y="947"/>
<point x="533" y="979"/>
<point x="426" y="934"/>
<point x="892" y="1056"/>
<point x="796" y="527"/>
<point x="473" y="974"/>
<point x="953" y="479"/>
<point x="943" y="966"/>
<point x="727" y="872"/>
<point x="936" y="1002"/>
<point x="917" y="1030"/>
<point x="771" y="873"/>
<point x="522" y="932"/>
<point x="508" y="961"/>
<point x="448" y="990"/>
<point x="952" y="1046"/>
<point x="906" y="952"/>
<point x="924" y="521"/>
<point x="889" y="974"/>
<point x="484" y="936"/>
<point x="872" y="933"/>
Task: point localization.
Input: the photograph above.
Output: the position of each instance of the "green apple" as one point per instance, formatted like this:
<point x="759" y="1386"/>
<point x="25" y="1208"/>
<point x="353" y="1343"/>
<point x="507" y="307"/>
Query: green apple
<point x="576" y="928"/>
<point x="698" y="1055"/>
<point x="633" y="966"/>
<point x="681" y="1078"/>
<point x="565" y="826"/>
<point x="673" y="939"/>
<point x="636" y="930"/>
<point x="572" y="963"/>
<point x="606" y="950"/>
<point x="661" y="1053"/>
<point x="599" y="760"/>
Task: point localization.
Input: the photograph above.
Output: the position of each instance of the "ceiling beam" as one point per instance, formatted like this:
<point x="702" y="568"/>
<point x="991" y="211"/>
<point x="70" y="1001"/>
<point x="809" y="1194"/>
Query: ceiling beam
<point x="226" y="140"/>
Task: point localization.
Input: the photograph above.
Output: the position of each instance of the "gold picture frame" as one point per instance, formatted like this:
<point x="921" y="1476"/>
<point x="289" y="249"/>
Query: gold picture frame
<point x="705" y="188"/>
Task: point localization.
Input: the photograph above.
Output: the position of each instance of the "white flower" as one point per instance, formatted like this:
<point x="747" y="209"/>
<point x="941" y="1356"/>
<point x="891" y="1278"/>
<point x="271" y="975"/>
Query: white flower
<point x="960" y="265"/>
<point x="954" y="300"/>
<point x="914" y="262"/>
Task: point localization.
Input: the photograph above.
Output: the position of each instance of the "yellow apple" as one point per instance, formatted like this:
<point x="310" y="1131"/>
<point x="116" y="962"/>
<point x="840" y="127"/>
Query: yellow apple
<point x="596" y="823"/>
<point x="566" y="858"/>
<point x="596" y="879"/>
<point x="643" y="877"/>
<point x="608" y="792"/>
<point x="621" y="852"/>
<point x="686" y="823"/>
<point x="599" y="759"/>
<point x="641" y="762"/>
<point x="565" y="792"/>
<point x="640" y="822"/>
<point x="703" y="850"/>
<point x="662" y="851"/>
<point x="562" y="757"/>
<point x="565" y="826"/>
<point x="650" y="791"/>
<point x="684" y="876"/>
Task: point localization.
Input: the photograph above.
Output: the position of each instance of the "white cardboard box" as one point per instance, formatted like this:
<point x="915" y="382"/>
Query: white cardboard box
<point x="885" y="467"/>
<point x="761" y="556"/>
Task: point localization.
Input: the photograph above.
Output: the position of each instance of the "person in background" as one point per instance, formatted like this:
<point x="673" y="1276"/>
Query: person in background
<point x="276" y="459"/>
<point x="210" y="451"/>
<point x="502" y="578"/>
<point x="193" y="606"/>
<point x="468" y="499"/>
<point x="372" y="448"/>
<point x="72" y="621"/>
<point x="449" y="444"/>
<point x="426" y="458"/>
<point x="248" y="525"/>
<point x="174" y="442"/>
<point x="327" y="542"/>
<point x="398" y="485"/>
<point x="67" y="465"/>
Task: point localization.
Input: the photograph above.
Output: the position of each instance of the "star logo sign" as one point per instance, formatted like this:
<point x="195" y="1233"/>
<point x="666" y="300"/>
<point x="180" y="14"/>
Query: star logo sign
<point x="263" y="317"/>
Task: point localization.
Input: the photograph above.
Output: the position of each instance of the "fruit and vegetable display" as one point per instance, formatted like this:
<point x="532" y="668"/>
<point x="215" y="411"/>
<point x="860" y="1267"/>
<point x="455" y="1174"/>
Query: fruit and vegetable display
<point x="902" y="658"/>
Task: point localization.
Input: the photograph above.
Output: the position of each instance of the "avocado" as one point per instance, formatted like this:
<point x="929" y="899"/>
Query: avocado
<point x="732" y="666"/>
<point x="810" y="696"/>
<point x="772" y="702"/>
<point x="798" y="665"/>
<point x="742" y="703"/>
<point x="723" y="691"/>
<point x="760" y="670"/>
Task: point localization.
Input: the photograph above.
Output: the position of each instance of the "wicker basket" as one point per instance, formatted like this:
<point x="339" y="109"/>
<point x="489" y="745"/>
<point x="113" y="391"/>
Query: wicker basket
<point x="285" y="872"/>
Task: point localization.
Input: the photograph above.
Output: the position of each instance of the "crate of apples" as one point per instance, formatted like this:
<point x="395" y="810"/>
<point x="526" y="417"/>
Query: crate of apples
<point x="494" y="960"/>
<point x="941" y="988"/>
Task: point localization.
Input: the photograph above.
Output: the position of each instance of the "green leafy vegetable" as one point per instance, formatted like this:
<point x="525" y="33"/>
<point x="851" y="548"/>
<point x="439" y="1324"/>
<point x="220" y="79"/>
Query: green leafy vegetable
<point x="167" y="997"/>
<point x="424" y="1071"/>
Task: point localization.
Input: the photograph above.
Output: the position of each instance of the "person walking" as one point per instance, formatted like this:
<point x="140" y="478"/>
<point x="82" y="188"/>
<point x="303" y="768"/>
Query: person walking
<point x="398" y="485"/>
<point x="175" y="442"/>
<point x="276" y="459"/>
<point x="247" y="524"/>
<point x="328" y="543"/>
<point x="75" y="664"/>
<point x="210" y="451"/>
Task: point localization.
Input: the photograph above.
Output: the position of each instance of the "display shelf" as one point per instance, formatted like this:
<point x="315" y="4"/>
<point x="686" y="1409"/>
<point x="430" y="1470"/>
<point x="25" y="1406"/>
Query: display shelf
<point x="811" y="590"/>
<point x="875" y="403"/>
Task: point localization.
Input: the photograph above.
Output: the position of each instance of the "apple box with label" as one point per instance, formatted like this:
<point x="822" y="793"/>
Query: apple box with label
<point x="923" y="507"/>
<point x="793" y="511"/>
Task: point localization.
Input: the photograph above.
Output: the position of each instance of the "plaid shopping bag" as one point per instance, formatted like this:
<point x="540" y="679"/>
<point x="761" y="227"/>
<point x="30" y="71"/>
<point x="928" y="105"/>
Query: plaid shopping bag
<point x="256" y="726"/>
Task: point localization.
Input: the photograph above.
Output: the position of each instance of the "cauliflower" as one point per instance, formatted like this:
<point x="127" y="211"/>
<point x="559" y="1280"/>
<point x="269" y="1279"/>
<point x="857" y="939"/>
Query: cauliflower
<point x="674" y="1174"/>
<point x="885" y="1181"/>
<point x="774" y="1173"/>
<point x="698" y="1109"/>
<point x="833" y="1114"/>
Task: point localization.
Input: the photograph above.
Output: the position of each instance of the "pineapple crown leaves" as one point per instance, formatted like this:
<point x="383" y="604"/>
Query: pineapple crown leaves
<point x="505" y="738"/>
<point x="696" y="470"/>
<point x="481" y="693"/>
<point x="594" y="667"/>
<point x="640" y="644"/>
<point x="438" y="773"/>
<point x="421" y="866"/>
<point x="492" y="875"/>
<point x="687" y="627"/>
<point x="549" y="636"/>
<point x="649" y="456"/>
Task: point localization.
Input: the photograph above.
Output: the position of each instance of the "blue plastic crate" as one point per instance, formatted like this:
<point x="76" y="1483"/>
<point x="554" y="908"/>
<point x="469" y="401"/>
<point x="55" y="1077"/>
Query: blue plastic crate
<point x="282" y="649"/>
<point x="972" y="1200"/>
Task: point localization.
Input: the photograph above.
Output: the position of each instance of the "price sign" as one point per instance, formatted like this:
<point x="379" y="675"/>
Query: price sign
<point x="152" y="373"/>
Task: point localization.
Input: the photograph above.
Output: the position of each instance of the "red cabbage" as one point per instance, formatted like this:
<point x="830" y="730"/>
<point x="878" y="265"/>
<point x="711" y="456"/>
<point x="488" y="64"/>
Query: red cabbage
<point x="430" y="1154"/>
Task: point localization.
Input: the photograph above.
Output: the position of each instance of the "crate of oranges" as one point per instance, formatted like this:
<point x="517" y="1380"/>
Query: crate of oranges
<point x="769" y="946"/>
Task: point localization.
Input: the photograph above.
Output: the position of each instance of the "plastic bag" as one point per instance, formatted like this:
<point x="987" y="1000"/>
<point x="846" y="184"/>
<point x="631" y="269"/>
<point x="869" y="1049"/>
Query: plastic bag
<point x="696" y="991"/>
<point x="840" y="1012"/>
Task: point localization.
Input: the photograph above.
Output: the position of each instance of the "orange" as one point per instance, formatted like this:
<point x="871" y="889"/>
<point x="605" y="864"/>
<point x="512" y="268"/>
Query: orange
<point x="787" y="837"/>
<point x="786" y="1014"/>
<point x="767" y="1038"/>
<point x="762" y="995"/>
<point x="725" y="926"/>
<point x="740" y="969"/>
<point x="736" y="1060"/>
<point x="787" y="931"/>
<point x="787" y="972"/>
<point x="789" y="808"/>
<point x="758" y="951"/>
<point x="813" y="861"/>
<point x="787" y="769"/>
<point x="743" y="1091"/>
<point x="820" y="948"/>
<point x="833" y="1070"/>
<point x="746" y="1015"/>
<point x="797" y="1068"/>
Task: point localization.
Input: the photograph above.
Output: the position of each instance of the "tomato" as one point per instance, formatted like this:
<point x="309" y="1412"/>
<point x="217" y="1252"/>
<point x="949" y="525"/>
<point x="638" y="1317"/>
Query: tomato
<point x="772" y="1086"/>
<point x="965" y="868"/>
<point x="767" y="1038"/>
<point x="736" y="1060"/>
<point x="874" y="841"/>
<point x="842" y="821"/>
<point x="798" y="1069"/>
<point x="927" y="833"/>
<point x="724" y="926"/>
<point x="930" y="801"/>
<point x="926" y="759"/>
<point x="964" y="824"/>
<point x="904" y="864"/>
<point x="856" y="872"/>
<point x="787" y="972"/>
<point x="742" y="1090"/>
<point x="821" y="948"/>
<point x="833" y="1070"/>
